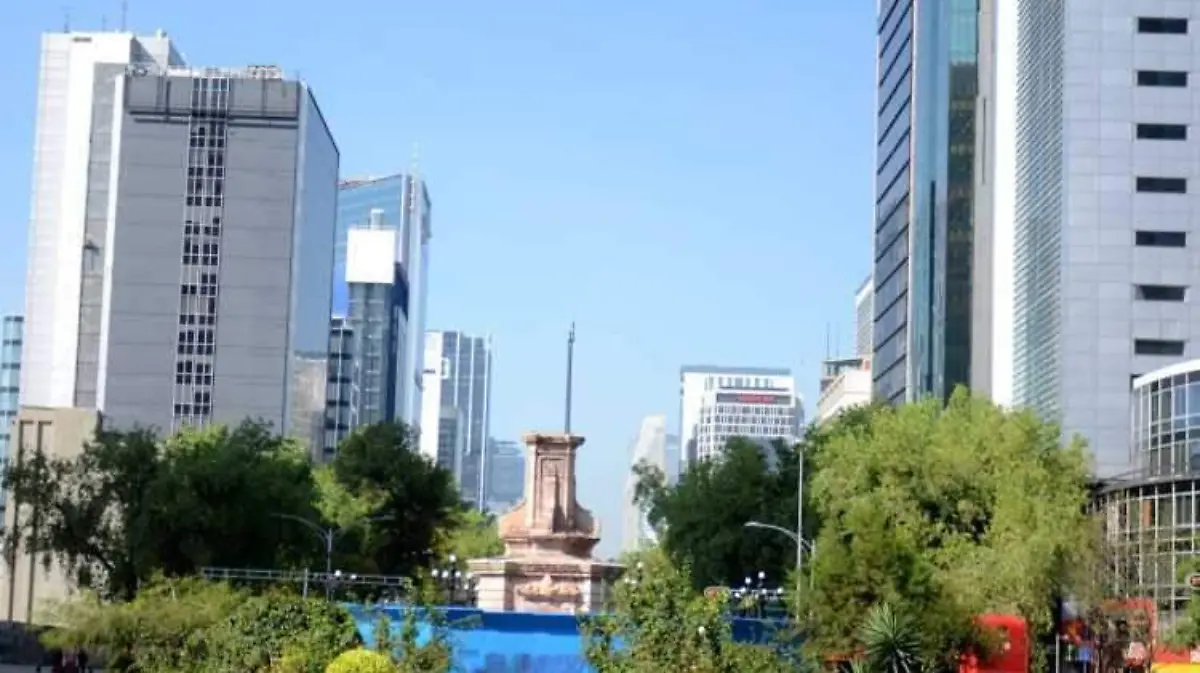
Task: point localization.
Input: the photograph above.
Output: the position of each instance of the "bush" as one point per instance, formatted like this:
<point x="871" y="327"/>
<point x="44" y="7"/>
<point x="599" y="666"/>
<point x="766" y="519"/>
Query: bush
<point x="361" y="661"/>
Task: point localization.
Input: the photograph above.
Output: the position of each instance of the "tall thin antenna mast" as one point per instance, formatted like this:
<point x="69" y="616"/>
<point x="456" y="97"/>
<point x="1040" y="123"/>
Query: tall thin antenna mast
<point x="827" y="345"/>
<point x="124" y="14"/>
<point x="570" y="376"/>
<point x="416" y="156"/>
<point x="66" y="19"/>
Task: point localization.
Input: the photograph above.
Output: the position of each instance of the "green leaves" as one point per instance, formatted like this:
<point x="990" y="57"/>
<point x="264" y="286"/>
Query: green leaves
<point x="702" y="518"/>
<point x="890" y="641"/>
<point x="944" y="513"/>
<point x="665" y="627"/>
<point x="410" y="498"/>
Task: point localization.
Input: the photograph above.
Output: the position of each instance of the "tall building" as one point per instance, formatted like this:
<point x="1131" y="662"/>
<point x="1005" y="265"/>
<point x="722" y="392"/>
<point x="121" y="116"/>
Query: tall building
<point x="74" y="131"/>
<point x="378" y="316"/>
<point x="341" y="405"/>
<point x="719" y="403"/>
<point x="846" y="381"/>
<point x="924" y="185"/>
<point x="223" y="314"/>
<point x="458" y="376"/>
<point x="1107" y="194"/>
<point x="505" y="475"/>
<point x="864" y="323"/>
<point x="12" y="329"/>
<point x="649" y="447"/>
<point x="400" y="205"/>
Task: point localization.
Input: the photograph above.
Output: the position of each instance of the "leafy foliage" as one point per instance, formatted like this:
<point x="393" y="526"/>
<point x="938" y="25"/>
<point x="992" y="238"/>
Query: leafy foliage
<point x="660" y="625"/>
<point x="361" y="660"/>
<point x="414" y="498"/>
<point x="944" y="513"/>
<point x="890" y="641"/>
<point x="190" y="626"/>
<point x="130" y="504"/>
<point x="701" y="518"/>
<point x="472" y="534"/>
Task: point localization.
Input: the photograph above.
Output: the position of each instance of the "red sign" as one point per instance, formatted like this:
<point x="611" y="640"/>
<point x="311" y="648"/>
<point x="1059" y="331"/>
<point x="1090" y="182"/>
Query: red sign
<point x="752" y="398"/>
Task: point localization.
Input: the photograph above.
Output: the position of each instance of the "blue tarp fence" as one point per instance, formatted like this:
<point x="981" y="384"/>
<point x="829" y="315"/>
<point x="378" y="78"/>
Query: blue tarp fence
<point x="507" y="642"/>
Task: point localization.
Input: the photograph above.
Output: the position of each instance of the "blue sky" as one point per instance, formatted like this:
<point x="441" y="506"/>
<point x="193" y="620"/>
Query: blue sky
<point x="691" y="182"/>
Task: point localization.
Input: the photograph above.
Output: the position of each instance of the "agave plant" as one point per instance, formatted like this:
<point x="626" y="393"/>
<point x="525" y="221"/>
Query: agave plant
<point x="890" y="641"/>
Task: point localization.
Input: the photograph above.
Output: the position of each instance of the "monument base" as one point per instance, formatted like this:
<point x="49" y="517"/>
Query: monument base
<point x="550" y="584"/>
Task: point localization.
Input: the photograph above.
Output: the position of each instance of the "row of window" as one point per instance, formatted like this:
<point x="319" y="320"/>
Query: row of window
<point x="1158" y="347"/>
<point x="1162" y="25"/>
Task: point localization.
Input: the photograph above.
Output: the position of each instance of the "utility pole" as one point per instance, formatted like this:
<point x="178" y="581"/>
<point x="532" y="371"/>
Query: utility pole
<point x="570" y="375"/>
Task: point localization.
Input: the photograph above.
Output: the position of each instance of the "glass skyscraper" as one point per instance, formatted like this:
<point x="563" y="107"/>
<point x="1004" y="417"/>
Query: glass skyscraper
<point x="925" y="193"/>
<point x="12" y="329"/>
<point x="458" y="389"/>
<point x="381" y="290"/>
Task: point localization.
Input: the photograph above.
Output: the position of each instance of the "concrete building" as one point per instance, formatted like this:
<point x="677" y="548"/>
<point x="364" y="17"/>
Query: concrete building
<point x="12" y="330"/>
<point x="845" y="383"/>
<point x="505" y="475"/>
<point x="398" y="260"/>
<point x="73" y="131"/>
<point x="648" y="447"/>
<point x="1107" y="196"/>
<point x="924" y="229"/>
<point x="719" y="403"/>
<point x="209" y="319"/>
<point x="458" y="376"/>
<point x="29" y="585"/>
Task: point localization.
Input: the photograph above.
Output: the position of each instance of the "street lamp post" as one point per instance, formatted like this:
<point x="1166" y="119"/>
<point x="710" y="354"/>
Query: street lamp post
<point x="801" y="546"/>
<point x="327" y="535"/>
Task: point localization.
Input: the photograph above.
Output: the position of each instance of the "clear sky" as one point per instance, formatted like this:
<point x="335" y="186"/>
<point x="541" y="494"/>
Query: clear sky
<point x="690" y="181"/>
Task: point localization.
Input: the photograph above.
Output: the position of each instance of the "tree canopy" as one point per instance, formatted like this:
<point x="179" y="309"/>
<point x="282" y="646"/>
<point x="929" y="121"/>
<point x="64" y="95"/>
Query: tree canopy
<point x="945" y="513"/>
<point x="410" y="499"/>
<point x="132" y="504"/>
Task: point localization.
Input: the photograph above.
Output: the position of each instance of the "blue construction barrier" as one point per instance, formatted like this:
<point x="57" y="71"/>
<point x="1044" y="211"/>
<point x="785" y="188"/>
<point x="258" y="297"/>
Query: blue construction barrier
<point x="505" y="642"/>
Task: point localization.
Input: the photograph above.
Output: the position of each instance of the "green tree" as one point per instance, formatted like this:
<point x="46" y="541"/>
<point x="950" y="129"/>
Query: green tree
<point x="472" y="534"/>
<point x="701" y="519"/>
<point x="130" y="505"/>
<point x="945" y="513"/>
<point x="659" y="624"/>
<point x="411" y="497"/>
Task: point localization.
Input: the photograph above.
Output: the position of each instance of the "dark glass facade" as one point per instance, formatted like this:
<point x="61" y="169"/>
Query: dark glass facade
<point x="924" y="225"/>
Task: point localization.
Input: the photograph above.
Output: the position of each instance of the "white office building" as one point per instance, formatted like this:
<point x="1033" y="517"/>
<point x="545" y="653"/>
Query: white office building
<point x="650" y="447"/>
<point x="846" y="382"/>
<point x="1107" y="198"/>
<point x="719" y="403"/>
<point x="74" y="67"/>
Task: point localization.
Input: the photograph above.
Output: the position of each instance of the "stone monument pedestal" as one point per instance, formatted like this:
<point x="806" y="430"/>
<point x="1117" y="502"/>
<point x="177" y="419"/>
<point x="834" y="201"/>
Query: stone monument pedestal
<point x="548" y="540"/>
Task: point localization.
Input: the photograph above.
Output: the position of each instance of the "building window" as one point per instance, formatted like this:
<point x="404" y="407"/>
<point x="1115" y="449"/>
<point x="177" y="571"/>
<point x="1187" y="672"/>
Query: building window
<point x="1162" y="185"/>
<point x="1161" y="239"/>
<point x="1162" y="131"/>
<point x="1157" y="347"/>
<point x="1172" y="78"/>
<point x="1162" y="26"/>
<point x="1160" y="292"/>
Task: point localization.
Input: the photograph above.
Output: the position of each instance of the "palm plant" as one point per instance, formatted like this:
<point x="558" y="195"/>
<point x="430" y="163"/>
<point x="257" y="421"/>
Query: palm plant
<point x="890" y="641"/>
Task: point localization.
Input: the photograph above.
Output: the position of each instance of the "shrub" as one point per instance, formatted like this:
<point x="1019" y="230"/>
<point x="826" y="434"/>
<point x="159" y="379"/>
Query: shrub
<point x="361" y="661"/>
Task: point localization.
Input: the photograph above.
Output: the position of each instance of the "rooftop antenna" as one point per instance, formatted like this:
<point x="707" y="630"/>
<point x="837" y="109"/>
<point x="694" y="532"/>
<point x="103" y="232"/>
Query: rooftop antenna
<point x="103" y="23"/>
<point x="124" y="14"/>
<point x="416" y="156"/>
<point x="570" y="376"/>
<point x="66" y="19"/>
<point x="828" y="354"/>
